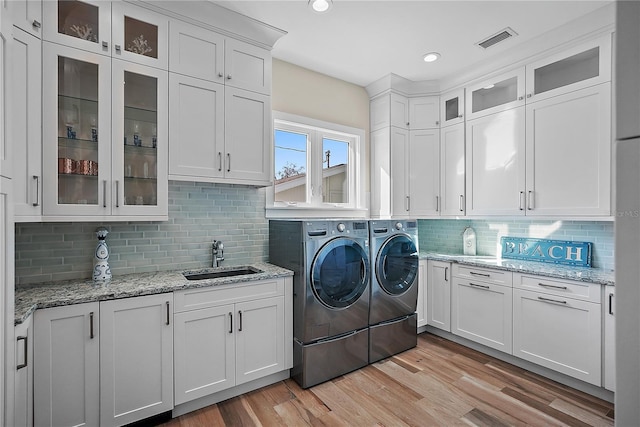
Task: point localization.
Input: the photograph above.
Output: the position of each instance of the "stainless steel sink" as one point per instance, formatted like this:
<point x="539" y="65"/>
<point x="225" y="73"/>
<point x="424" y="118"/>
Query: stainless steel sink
<point x="241" y="271"/>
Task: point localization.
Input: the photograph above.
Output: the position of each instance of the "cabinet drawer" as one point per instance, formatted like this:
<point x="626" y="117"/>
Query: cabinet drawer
<point x="498" y="277"/>
<point x="192" y="299"/>
<point x="563" y="288"/>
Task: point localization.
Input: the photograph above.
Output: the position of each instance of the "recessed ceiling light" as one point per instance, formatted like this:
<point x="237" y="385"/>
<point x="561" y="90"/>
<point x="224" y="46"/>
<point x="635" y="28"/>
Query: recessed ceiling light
<point x="320" y="6"/>
<point x="431" y="56"/>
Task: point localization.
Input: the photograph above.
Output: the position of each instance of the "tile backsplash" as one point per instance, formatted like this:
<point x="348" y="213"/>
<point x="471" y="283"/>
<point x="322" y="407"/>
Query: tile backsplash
<point x="445" y="236"/>
<point x="198" y="214"/>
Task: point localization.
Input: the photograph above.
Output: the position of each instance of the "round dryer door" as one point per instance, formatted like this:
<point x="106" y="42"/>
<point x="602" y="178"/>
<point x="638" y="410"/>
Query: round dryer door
<point x="340" y="273"/>
<point x="397" y="264"/>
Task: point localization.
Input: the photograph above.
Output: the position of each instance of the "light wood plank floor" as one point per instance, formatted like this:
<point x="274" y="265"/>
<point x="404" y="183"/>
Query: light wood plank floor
<point x="438" y="383"/>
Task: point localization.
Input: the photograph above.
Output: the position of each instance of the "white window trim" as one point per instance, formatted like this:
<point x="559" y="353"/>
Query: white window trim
<point x="357" y="207"/>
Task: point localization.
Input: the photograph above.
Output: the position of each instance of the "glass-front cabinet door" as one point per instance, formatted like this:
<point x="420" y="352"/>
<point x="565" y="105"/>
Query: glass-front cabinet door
<point x="82" y="24"/>
<point x="452" y="108"/>
<point x="140" y="35"/>
<point x="500" y="93"/>
<point x="76" y="132"/>
<point x="139" y="139"/>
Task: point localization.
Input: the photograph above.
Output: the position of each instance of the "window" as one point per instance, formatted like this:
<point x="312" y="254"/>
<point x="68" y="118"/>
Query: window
<point x="316" y="165"/>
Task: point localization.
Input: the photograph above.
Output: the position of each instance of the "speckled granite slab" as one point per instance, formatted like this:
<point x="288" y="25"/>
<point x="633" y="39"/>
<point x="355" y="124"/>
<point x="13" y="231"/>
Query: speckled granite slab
<point x="54" y="294"/>
<point x="591" y="275"/>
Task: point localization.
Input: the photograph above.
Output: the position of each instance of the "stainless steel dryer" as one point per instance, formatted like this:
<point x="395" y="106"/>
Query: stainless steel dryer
<point x="394" y="287"/>
<point x="330" y="261"/>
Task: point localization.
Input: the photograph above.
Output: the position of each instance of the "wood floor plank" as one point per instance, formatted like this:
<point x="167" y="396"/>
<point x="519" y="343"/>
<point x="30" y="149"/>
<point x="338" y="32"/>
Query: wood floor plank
<point x="584" y="415"/>
<point x="437" y="383"/>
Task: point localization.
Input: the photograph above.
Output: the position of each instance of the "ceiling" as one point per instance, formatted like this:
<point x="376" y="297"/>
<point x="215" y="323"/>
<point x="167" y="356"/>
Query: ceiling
<point x="361" y="41"/>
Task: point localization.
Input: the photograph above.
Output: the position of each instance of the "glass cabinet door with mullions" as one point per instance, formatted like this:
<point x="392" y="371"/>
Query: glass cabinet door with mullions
<point x="76" y="132"/>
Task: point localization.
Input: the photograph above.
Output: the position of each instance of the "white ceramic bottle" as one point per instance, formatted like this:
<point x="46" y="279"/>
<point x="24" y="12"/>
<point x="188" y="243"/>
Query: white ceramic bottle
<point x="469" y="241"/>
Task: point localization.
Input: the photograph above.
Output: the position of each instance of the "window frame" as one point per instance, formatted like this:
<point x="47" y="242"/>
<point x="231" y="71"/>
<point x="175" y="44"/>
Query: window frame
<point x="317" y="131"/>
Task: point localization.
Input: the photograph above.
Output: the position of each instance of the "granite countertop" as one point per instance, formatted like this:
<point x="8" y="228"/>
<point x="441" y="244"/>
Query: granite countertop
<point x="30" y="297"/>
<point x="591" y="275"/>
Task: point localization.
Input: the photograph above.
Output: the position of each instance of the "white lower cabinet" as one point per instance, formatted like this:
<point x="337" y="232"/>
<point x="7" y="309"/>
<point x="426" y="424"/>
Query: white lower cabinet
<point x="66" y="366"/>
<point x="439" y="295"/>
<point x="229" y="335"/>
<point x="481" y="312"/>
<point x="136" y="358"/>
<point x="23" y="391"/>
<point x="558" y="327"/>
<point x="609" y="339"/>
<point x="421" y="307"/>
<point x="108" y="363"/>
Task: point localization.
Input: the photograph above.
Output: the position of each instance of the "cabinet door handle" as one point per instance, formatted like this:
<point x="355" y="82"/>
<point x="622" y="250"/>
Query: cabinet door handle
<point x="479" y="286"/>
<point x="228" y="76"/>
<point x="479" y="274"/>
<point x="168" y="314"/>
<point x="529" y="95"/>
<point x="24" y="340"/>
<point x="105" y="44"/>
<point x="117" y="194"/>
<point x="220" y="75"/>
<point x="228" y="162"/>
<point x="460" y="116"/>
<point x="551" y="300"/>
<point x="37" y="200"/>
<point x="520" y="98"/>
<point x="240" y="314"/>
<point x="530" y="204"/>
<point x="230" y="322"/>
<point x="104" y="193"/>
<point x="408" y="203"/>
<point x="521" y="201"/>
<point x="438" y="123"/>
<point x="219" y="161"/>
<point x="407" y="124"/>
<point x="611" y="304"/>
<point x="437" y="203"/>
<point x="446" y="269"/>
<point x="117" y="48"/>
<point x="91" y="334"/>
<point x="461" y="203"/>
<point x="36" y="24"/>
<point x="544" y="285"/>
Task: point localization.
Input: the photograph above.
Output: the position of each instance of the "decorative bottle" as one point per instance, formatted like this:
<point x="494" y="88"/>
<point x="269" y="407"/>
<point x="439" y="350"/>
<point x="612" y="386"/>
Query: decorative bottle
<point x="469" y="241"/>
<point x="101" y="269"/>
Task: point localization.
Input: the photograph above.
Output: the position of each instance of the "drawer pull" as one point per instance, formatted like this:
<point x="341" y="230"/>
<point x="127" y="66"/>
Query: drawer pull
<point x="551" y="300"/>
<point x="230" y="322"/>
<point x="26" y="357"/>
<point x="544" y="285"/>
<point x="479" y="274"/>
<point x="611" y="304"/>
<point x="479" y="286"/>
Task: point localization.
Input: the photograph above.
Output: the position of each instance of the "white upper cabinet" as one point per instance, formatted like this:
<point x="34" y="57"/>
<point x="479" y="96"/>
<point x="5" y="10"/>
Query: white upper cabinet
<point x="247" y="67"/>
<point x="424" y="112"/>
<point x="452" y="171"/>
<point x="496" y="94"/>
<point x="27" y="15"/>
<point x="424" y="172"/>
<point x="26" y="125"/>
<point x="568" y="140"/>
<point x="585" y="65"/>
<point x="196" y="52"/>
<point x="495" y="164"/>
<point x="452" y="108"/>
<point x="116" y="29"/>
<point x="399" y="111"/>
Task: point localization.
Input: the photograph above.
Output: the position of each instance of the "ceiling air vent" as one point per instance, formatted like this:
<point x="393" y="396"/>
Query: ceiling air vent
<point x="497" y="38"/>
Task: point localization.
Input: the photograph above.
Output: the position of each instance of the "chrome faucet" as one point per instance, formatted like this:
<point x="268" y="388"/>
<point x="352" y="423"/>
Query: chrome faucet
<point x="218" y="253"/>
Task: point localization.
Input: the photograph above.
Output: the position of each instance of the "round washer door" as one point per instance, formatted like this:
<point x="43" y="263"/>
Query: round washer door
<point x="340" y="273"/>
<point x="397" y="264"/>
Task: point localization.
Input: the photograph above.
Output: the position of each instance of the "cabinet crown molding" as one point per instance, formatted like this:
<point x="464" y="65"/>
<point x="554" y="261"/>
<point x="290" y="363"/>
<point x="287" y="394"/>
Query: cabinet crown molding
<point x="214" y="17"/>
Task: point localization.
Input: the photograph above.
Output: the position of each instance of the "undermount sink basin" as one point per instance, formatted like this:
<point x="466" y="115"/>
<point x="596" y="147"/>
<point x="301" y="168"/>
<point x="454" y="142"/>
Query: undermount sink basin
<point x="222" y="273"/>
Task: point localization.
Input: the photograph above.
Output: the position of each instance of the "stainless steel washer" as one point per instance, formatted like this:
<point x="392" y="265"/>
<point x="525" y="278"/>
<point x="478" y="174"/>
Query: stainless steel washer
<point x="394" y="287"/>
<point x="330" y="261"/>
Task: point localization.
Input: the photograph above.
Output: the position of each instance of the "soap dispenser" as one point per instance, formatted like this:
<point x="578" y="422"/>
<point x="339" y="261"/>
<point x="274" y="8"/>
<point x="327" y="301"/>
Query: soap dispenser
<point x="469" y="241"/>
